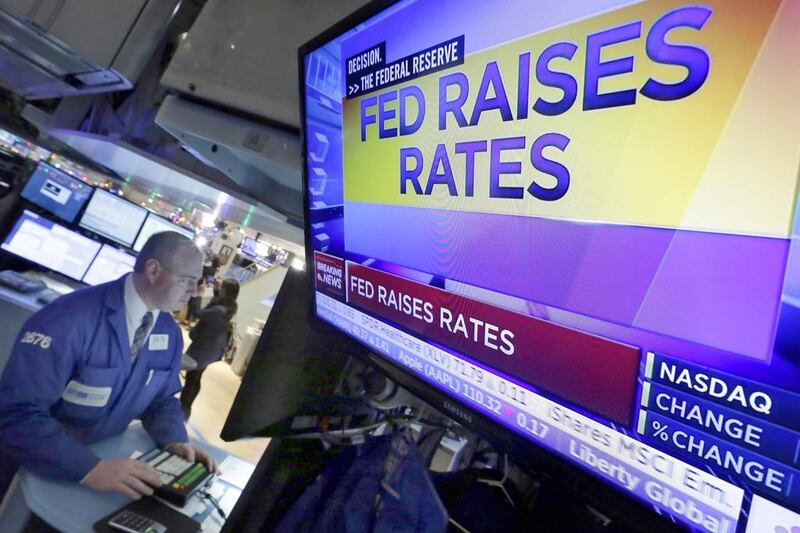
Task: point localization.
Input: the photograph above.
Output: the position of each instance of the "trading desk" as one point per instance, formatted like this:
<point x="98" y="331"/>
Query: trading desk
<point x="74" y="508"/>
<point x="17" y="307"/>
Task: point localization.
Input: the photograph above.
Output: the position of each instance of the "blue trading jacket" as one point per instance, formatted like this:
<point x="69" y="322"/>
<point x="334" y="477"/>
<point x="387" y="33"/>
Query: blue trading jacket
<point x="70" y="381"/>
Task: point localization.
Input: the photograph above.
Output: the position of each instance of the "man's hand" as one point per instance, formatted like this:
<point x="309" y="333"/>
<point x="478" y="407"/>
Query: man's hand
<point x="132" y="478"/>
<point x="193" y="453"/>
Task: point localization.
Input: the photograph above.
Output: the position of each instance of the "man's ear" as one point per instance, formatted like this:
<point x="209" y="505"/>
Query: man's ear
<point x="152" y="269"/>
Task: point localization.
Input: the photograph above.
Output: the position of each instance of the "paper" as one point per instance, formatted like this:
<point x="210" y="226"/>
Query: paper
<point x="235" y="471"/>
<point x="212" y="523"/>
<point x="217" y="490"/>
<point x="195" y="506"/>
<point x="228" y="501"/>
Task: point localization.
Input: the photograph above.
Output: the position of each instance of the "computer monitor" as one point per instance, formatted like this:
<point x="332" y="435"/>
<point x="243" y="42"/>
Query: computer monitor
<point x="56" y="191"/>
<point x="50" y="245"/>
<point x="108" y="265"/>
<point x="156" y="224"/>
<point x="255" y="249"/>
<point x="576" y="220"/>
<point x="294" y="365"/>
<point x="249" y="245"/>
<point x="113" y="217"/>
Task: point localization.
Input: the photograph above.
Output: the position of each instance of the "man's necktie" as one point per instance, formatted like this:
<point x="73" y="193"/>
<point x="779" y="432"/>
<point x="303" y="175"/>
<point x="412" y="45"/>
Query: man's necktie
<point x="141" y="333"/>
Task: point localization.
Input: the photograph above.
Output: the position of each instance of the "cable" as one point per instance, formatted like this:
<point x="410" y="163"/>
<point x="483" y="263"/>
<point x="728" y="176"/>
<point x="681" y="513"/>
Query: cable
<point x="215" y="503"/>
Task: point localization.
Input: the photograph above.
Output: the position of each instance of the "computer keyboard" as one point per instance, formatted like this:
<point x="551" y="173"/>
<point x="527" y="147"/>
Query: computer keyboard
<point x="47" y="296"/>
<point x="180" y="478"/>
<point x="20" y="282"/>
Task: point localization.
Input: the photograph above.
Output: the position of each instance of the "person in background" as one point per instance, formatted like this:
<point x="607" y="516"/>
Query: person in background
<point x="86" y="365"/>
<point x="193" y="307"/>
<point x="210" y="336"/>
<point x="211" y="268"/>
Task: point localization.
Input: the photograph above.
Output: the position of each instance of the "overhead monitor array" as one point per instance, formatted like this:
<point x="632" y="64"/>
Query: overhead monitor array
<point x="56" y="247"/>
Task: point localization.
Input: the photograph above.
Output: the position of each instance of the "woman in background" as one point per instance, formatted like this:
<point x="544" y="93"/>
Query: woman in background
<point x="210" y="337"/>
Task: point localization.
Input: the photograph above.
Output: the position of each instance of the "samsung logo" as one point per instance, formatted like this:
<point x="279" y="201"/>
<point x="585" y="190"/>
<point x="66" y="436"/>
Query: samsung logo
<point x="457" y="411"/>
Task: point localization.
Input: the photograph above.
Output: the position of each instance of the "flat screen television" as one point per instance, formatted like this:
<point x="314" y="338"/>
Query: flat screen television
<point x="576" y="221"/>
<point x="156" y="224"/>
<point x="249" y="245"/>
<point x="50" y="245"/>
<point x="113" y="217"/>
<point x="109" y="264"/>
<point x="286" y="375"/>
<point x="256" y="250"/>
<point x="56" y="191"/>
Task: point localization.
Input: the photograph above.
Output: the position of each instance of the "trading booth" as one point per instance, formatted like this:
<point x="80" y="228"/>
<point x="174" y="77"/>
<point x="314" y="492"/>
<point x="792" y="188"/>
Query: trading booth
<point x="551" y="248"/>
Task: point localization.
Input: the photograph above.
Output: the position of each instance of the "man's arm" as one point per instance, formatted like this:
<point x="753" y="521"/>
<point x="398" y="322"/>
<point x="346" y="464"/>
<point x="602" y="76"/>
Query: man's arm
<point x="41" y="363"/>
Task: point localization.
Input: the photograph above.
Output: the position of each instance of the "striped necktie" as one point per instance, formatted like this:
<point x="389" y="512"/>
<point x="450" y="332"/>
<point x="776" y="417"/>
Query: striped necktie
<point x="141" y="333"/>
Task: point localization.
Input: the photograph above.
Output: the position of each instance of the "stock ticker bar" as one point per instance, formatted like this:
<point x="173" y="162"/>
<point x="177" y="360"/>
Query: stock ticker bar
<point x="590" y="371"/>
<point x="774" y="405"/>
<point x="768" y="476"/>
<point x="760" y="436"/>
<point x="745" y="428"/>
<point x="693" y="496"/>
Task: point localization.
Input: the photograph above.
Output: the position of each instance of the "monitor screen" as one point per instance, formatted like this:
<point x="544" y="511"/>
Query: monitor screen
<point x="579" y="223"/>
<point x="287" y="375"/>
<point x="249" y="246"/>
<point x="110" y="264"/>
<point x="50" y="245"/>
<point x="56" y="191"/>
<point x="254" y="248"/>
<point x="113" y="217"/>
<point x="156" y="224"/>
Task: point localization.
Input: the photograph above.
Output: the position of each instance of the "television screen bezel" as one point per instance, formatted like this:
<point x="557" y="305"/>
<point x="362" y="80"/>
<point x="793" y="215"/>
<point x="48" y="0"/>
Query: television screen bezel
<point x="98" y="190"/>
<point x="608" y="498"/>
<point x="37" y="168"/>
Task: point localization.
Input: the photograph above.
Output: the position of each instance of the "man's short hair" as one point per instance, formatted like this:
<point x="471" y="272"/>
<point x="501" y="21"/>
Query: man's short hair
<point x="162" y="247"/>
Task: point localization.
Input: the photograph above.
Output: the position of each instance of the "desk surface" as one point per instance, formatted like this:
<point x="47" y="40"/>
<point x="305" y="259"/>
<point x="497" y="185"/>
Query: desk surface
<point x="71" y="507"/>
<point x="26" y="300"/>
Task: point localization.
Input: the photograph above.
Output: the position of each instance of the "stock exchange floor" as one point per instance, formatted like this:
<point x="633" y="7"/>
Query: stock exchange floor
<point x="210" y="409"/>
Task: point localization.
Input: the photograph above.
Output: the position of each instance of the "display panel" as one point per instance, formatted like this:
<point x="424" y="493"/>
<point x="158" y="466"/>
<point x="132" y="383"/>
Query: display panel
<point x="113" y="217"/>
<point x="257" y="251"/>
<point x="50" y="245"/>
<point x="565" y="221"/>
<point x="156" y="224"/>
<point x="110" y="264"/>
<point x="56" y="191"/>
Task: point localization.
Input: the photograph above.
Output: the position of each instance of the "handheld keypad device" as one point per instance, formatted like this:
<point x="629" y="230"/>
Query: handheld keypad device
<point x="180" y="478"/>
